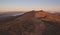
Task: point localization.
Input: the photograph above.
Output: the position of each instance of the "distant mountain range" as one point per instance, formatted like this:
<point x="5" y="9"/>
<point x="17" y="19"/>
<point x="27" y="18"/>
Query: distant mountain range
<point x="32" y="23"/>
<point x="11" y="13"/>
<point x="4" y="17"/>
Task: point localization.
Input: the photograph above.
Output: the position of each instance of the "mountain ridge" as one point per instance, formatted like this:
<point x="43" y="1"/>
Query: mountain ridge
<point x="33" y="23"/>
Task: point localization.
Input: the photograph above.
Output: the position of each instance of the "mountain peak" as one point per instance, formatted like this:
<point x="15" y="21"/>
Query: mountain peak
<point x="40" y="13"/>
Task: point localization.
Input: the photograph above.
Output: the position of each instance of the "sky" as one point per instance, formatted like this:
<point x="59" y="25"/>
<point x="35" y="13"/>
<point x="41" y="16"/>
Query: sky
<point x="27" y="5"/>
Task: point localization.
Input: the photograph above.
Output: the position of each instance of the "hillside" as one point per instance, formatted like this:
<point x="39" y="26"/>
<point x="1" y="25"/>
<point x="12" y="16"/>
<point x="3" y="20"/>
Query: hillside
<point x="32" y="23"/>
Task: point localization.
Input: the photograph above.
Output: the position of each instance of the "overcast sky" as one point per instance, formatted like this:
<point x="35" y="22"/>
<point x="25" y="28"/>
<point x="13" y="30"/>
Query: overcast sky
<point x="26" y="5"/>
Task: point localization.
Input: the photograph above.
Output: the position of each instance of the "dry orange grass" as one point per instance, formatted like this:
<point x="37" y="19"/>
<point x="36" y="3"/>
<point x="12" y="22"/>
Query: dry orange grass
<point x="47" y="16"/>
